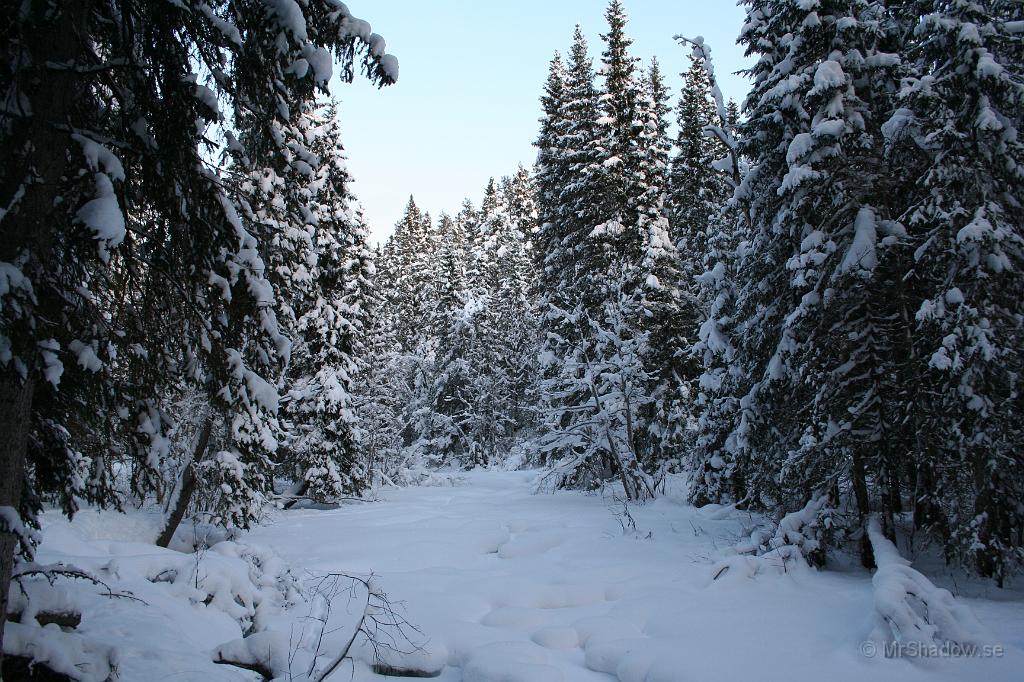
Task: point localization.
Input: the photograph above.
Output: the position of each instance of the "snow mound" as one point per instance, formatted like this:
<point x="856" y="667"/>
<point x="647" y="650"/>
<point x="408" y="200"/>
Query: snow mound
<point x="425" y="661"/>
<point x="556" y="638"/>
<point x="422" y="476"/>
<point x="630" y="660"/>
<point x="267" y="652"/>
<point x="101" y="608"/>
<point x="510" y="662"/>
<point x="604" y="628"/>
<point x="484" y="538"/>
<point x="550" y="596"/>
<point x="80" y="658"/>
<point x="514" y="616"/>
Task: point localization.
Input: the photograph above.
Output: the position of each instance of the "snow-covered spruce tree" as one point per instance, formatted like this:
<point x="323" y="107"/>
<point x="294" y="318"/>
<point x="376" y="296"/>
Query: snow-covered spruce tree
<point x="411" y="289"/>
<point x="359" y="299"/>
<point x="516" y="302"/>
<point x="696" y="190"/>
<point x="105" y="180"/>
<point x="634" y="229"/>
<point x="604" y="380"/>
<point x="732" y="114"/>
<point x="485" y="338"/>
<point x="406" y="279"/>
<point x="468" y="416"/>
<point x="956" y="142"/>
<point x="604" y="256"/>
<point x="272" y="187"/>
<point x="511" y="319"/>
<point x="455" y="324"/>
<point x="519" y="196"/>
<point x="329" y="290"/>
<point x="699" y="219"/>
<point x="716" y="473"/>
<point x="814" y="344"/>
<point x="567" y="193"/>
<point x="380" y="390"/>
<point x="471" y="246"/>
<point x="551" y="178"/>
<point x="569" y="209"/>
<point x="450" y="275"/>
<point x="493" y="232"/>
<point x="463" y="428"/>
<point x="489" y="424"/>
<point x="664" y="317"/>
<point x="619" y="129"/>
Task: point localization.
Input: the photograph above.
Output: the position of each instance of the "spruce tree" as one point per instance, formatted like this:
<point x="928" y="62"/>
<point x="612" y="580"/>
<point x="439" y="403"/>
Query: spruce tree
<point x="697" y="191"/>
<point x="813" y="342"/>
<point x="319" y="383"/>
<point x="516" y="302"/>
<point x="666" y="305"/>
<point x="551" y="175"/>
<point x="619" y="161"/>
<point x="407" y="277"/>
<point x="578" y="200"/>
<point x="566" y="180"/>
<point x="605" y="259"/>
<point x="381" y="391"/>
<point x="955" y="141"/>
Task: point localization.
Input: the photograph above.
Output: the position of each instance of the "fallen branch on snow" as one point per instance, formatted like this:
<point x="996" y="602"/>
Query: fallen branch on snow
<point x="276" y="654"/>
<point x="53" y="571"/>
<point x="909" y="608"/>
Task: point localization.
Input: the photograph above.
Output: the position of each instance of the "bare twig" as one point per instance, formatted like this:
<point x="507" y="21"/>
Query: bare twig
<point x="383" y="626"/>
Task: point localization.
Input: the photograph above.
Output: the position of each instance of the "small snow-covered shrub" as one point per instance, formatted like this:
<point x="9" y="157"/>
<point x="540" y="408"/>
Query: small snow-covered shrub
<point x="96" y="610"/>
<point x="199" y="534"/>
<point x="797" y="542"/>
<point x="806" y="531"/>
<point x="423" y="476"/>
<point x="238" y="502"/>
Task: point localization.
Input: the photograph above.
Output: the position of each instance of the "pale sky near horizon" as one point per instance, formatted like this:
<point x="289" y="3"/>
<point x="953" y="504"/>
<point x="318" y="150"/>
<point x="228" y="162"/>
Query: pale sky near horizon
<point x="466" y="104"/>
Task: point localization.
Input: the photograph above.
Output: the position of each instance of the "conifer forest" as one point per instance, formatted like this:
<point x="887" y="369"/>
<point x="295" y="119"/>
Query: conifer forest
<point x="716" y="389"/>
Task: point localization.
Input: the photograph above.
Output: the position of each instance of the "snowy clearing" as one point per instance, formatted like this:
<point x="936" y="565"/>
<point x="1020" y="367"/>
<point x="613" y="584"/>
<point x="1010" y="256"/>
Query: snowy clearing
<point x="511" y="586"/>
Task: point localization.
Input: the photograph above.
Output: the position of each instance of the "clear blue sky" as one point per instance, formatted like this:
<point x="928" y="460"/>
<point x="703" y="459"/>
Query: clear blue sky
<point x="466" y="105"/>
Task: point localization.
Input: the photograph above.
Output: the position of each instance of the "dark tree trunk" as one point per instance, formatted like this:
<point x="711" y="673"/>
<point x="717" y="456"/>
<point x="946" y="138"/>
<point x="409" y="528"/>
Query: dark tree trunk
<point x="298" y="494"/>
<point x="860" y="494"/>
<point x="188" y="486"/>
<point x="50" y="33"/>
<point x="15" y="415"/>
<point x="995" y="533"/>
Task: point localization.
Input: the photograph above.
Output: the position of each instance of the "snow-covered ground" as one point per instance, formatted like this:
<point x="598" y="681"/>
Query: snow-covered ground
<point x="511" y="586"/>
<point x="517" y="587"/>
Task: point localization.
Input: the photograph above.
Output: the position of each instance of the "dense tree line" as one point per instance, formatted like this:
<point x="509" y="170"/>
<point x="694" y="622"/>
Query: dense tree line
<point x="863" y="346"/>
<point x="454" y="342"/>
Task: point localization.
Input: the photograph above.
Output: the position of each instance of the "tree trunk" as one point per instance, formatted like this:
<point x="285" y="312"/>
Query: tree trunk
<point x="297" y="494"/>
<point x="860" y="493"/>
<point x="15" y="416"/>
<point x="188" y="486"/>
<point x="34" y="164"/>
<point x="995" y="533"/>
